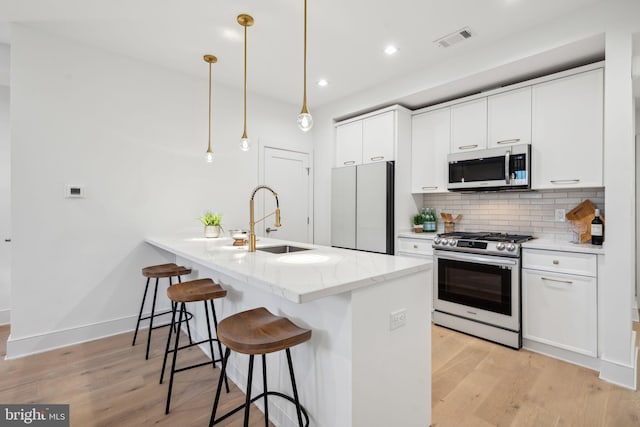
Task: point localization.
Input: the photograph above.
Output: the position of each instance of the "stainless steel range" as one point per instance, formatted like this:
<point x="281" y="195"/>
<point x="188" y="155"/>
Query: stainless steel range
<point x="477" y="284"/>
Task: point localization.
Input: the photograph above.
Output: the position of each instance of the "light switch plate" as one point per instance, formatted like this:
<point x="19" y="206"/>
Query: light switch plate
<point x="560" y="215"/>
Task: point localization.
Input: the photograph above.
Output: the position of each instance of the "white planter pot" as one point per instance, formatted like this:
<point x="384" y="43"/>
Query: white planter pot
<point x="212" y="231"/>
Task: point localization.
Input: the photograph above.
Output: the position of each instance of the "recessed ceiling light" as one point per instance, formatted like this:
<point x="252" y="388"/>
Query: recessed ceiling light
<point x="322" y="82"/>
<point x="390" y="50"/>
<point x="231" y="34"/>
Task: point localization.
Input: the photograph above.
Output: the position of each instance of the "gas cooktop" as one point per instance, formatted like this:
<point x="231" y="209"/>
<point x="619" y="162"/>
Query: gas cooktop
<point x="490" y="243"/>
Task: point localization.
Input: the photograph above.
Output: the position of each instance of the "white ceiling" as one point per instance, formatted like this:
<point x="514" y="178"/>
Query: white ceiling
<point x="345" y="37"/>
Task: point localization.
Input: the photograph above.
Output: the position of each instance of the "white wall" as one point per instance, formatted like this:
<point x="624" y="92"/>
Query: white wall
<point x="5" y="223"/>
<point x="617" y="19"/>
<point x="135" y="136"/>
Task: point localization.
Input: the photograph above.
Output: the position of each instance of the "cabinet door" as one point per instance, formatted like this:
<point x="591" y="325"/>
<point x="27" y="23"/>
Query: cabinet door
<point x="378" y="135"/>
<point x="430" y="138"/>
<point x="509" y="118"/>
<point x="349" y="144"/>
<point x="560" y="310"/>
<point x="469" y="126"/>
<point x="567" y="127"/>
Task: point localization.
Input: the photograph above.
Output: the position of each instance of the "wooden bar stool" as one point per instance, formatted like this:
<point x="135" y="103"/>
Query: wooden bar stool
<point x="158" y="272"/>
<point x="205" y="290"/>
<point x="255" y="332"/>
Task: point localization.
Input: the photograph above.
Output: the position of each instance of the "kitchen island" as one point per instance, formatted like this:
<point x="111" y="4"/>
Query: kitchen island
<point x="368" y="362"/>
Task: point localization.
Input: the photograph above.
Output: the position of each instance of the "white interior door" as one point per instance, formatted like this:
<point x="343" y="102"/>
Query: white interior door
<point x="5" y="196"/>
<point x="289" y="174"/>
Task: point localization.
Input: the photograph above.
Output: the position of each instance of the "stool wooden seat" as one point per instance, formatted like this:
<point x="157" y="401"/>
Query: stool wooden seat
<point x="205" y="290"/>
<point x="253" y="332"/>
<point x="258" y="331"/>
<point x="196" y="290"/>
<point x="165" y="270"/>
<point x="157" y="272"/>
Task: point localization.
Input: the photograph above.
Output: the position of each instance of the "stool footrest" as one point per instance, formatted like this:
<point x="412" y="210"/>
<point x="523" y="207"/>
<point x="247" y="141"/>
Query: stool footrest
<point x="261" y="395"/>
<point x="193" y="344"/>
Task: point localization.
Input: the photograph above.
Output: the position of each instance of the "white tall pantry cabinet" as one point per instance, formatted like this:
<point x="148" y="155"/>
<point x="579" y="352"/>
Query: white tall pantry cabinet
<point x="430" y="136"/>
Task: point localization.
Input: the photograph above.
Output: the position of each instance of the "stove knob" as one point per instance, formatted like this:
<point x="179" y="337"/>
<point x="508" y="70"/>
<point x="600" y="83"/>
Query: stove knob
<point x="452" y="242"/>
<point x="511" y="247"/>
<point x="500" y="246"/>
<point x="436" y="240"/>
<point x="444" y="241"/>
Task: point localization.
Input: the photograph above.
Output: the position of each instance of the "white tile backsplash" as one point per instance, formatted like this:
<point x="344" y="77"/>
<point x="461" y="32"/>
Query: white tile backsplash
<point x="531" y="212"/>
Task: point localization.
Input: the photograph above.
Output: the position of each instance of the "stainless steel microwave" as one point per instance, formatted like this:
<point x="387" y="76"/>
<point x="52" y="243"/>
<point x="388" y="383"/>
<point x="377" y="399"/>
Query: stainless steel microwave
<point x="501" y="168"/>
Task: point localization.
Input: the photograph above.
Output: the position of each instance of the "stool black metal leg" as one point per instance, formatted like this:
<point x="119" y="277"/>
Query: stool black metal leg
<point x="144" y="298"/>
<point x="264" y="388"/>
<point x="215" y="323"/>
<point x="166" y="350"/>
<point x="247" y="405"/>
<point x="188" y="328"/>
<point x="175" y="354"/>
<point x="213" y="355"/>
<point x="295" y="389"/>
<point x="223" y="373"/>
<point x="153" y="310"/>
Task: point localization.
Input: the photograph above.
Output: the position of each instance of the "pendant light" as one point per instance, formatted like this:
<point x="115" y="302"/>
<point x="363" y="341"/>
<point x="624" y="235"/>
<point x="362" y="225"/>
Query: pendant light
<point x="305" y="121"/>
<point x="210" y="59"/>
<point x="246" y="21"/>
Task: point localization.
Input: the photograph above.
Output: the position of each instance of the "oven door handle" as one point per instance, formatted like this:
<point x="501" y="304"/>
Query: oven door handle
<point x="476" y="258"/>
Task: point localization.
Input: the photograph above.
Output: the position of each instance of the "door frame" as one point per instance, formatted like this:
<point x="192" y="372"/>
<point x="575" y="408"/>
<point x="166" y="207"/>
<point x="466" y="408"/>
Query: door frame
<point x="310" y="187"/>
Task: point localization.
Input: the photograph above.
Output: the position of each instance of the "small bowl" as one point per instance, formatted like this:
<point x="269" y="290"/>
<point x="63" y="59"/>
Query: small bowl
<point x="239" y="234"/>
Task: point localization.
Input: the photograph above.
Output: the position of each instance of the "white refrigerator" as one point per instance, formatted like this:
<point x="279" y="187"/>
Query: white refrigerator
<point x="362" y="207"/>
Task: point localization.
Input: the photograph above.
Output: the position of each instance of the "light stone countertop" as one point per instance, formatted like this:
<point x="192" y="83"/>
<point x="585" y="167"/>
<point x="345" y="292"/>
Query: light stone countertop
<point x="564" y="246"/>
<point x="300" y="276"/>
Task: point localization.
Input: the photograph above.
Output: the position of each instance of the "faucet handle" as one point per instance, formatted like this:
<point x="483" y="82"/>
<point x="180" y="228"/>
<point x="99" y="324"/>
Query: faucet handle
<point x="277" y="224"/>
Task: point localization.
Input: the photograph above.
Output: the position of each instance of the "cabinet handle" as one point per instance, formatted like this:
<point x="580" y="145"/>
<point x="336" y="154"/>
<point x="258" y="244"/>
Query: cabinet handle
<point x="7" y="240"/>
<point x="433" y="187"/>
<point x="565" y="181"/>
<point x="556" y="262"/>
<point x="415" y="246"/>
<point x="350" y="162"/>
<point x="568" y="282"/>
<point x="376" y="158"/>
<point x="508" y="141"/>
<point x="467" y="147"/>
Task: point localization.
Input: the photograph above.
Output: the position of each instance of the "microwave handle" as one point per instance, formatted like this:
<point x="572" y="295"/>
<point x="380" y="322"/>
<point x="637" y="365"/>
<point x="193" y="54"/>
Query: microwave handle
<point x="507" y="172"/>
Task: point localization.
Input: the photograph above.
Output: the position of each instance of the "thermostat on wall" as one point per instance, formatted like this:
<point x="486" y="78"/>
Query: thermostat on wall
<point x="74" y="192"/>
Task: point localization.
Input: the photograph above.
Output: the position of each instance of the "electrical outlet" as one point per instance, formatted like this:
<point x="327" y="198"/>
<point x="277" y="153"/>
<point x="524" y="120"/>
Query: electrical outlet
<point x="397" y="319"/>
<point x="560" y="215"/>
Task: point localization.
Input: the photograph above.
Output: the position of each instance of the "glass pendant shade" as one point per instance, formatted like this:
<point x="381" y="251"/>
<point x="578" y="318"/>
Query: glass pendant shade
<point x="209" y="157"/>
<point x="245" y="144"/>
<point x="305" y="121"/>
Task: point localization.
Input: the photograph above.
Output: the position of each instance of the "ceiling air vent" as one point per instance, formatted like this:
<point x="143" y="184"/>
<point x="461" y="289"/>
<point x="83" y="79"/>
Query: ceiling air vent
<point x="454" y="38"/>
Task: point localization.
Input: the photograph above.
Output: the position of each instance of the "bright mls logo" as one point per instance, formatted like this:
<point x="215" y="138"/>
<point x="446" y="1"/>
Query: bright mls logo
<point x="34" y="415"/>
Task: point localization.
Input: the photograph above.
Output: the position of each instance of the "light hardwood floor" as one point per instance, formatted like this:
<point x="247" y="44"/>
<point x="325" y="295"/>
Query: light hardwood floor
<point x="475" y="383"/>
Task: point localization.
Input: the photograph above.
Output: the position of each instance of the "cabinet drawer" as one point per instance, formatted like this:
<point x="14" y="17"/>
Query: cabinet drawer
<point x="415" y="246"/>
<point x="560" y="262"/>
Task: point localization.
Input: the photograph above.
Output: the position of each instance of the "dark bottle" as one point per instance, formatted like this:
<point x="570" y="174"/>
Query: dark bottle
<point x="597" y="229"/>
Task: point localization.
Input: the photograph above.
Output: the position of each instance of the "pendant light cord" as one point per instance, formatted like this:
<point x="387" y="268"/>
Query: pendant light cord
<point x="244" y="135"/>
<point x="304" y="101"/>
<point x="209" y="146"/>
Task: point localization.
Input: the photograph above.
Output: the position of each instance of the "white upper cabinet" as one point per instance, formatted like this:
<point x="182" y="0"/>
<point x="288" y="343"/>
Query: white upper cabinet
<point x="567" y="132"/>
<point x="378" y="135"/>
<point x="509" y="118"/>
<point x="469" y="126"/>
<point x="430" y="136"/>
<point x="368" y="140"/>
<point x="349" y="144"/>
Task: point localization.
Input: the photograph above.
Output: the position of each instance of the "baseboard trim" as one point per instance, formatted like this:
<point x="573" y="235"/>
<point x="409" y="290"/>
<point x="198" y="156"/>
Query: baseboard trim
<point x="615" y="373"/>
<point x="5" y="316"/>
<point x="40" y="343"/>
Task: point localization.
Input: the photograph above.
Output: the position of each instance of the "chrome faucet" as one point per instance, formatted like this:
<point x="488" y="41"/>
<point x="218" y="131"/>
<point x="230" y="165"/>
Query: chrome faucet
<point x="253" y="222"/>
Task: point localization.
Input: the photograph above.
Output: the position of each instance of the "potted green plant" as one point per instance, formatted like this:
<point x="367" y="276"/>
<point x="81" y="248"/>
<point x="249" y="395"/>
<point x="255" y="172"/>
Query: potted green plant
<point x="212" y="224"/>
<point x="418" y="221"/>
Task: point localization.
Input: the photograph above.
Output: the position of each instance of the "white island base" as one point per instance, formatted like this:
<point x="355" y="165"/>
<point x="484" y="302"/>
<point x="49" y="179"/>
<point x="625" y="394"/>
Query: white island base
<point x="355" y="370"/>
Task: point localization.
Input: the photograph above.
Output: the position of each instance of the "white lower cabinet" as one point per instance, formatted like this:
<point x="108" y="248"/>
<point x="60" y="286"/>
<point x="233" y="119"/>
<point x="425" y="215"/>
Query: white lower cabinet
<point x="417" y="247"/>
<point x="559" y="309"/>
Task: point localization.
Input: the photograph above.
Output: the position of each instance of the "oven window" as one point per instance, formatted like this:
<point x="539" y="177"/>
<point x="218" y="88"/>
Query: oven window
<point x="489" y="169"/>
<point x="482" y="286"/>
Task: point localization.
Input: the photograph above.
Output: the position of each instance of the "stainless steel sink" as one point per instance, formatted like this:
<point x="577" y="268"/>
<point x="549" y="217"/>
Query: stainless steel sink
<point x="282" y="249"/>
